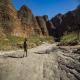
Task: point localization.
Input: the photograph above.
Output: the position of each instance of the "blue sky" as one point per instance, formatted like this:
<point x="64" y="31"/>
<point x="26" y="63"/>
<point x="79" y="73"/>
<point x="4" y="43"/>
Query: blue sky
<point x="47" y="7"/>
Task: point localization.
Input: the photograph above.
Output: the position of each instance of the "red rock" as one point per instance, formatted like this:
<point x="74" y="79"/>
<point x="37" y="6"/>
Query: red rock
<point x="42" y="25"/>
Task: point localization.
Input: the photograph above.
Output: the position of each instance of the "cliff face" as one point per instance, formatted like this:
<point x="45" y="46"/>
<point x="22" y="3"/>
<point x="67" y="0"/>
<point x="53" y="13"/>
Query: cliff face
<point x="57" y="20"/>
<point x="42" y="24"/>
<point x="19" y="23"/>
<point x="36" y="26"/>
<point x="24" y="23"/>
<point x="9" y="20"/>
<point x="29" y="22"/>
<point x="68" y="22"/>
<point x="51" y="28"/>
<point x="26" y="18"/>
<point x="71" y="20"/>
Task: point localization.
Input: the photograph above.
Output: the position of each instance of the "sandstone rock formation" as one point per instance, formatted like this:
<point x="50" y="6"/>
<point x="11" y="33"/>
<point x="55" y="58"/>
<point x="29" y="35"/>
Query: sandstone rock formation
<point x="26" y="18"/>
<point x="42" y="24"/>
<point x="45" y="17"/>
<point x="9" y="20"/>
<point x="29" y="21"/>
<point x="57" y="20"/>
<point x="36" y="26"/>
<point x="51" y="28"/>
<point x="68" y="22"/>
<point x="19" y="23"/>
<point x="24" y="23"/>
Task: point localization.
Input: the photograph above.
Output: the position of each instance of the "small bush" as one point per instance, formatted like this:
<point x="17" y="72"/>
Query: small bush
<point x="38" y="40"/>
<point x="10" y="42"/>
<point x="70" y="39"/>
<point x="13" y="42"/>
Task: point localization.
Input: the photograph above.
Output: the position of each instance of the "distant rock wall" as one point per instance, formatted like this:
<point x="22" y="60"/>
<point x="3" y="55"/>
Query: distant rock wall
<point x="23" y="23"/>
<point x="9" y="20"/>
<point x="68" y="22"/>
<point x="42" y="25"/>
<point x="19" y="23"/>
<point x="51" y="28"/>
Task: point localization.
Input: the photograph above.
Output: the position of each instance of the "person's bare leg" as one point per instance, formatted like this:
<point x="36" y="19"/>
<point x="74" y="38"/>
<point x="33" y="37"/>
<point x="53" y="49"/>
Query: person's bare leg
<point x="26" y="53"/>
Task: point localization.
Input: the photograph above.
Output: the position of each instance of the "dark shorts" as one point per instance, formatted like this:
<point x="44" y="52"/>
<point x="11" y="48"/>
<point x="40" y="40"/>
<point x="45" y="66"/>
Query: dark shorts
<point x="25" y="49"/>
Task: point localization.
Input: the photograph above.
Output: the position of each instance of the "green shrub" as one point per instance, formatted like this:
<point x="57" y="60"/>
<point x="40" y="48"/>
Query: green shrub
<point x="38" y="40"/>
<point x="0" y="1"/>
<point x="11" y="42"/>
<point x="70" y="38"/>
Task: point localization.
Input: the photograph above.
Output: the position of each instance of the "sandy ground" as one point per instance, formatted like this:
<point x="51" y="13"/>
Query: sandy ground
<point x="27" y="68"/>
<point x="40" y="64"/>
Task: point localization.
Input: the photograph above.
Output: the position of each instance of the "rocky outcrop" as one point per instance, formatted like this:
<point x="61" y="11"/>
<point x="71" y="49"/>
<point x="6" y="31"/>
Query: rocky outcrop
<point x="69" y="65"/>
<point x="36" y="27"/>
<point x="45" y="17"/>
<point x="24" y="23"/>
<point x="57" y="20"/>
<point x="26" y="17"/>
<point x="51" y="28"/>
<point x="62" y="64"/>
<point x="68" y="22"/>
<point x="20" y="23"/>
<point x="45" y="62"/>
<point x="2" y="35"/>
<point x="42" y="24"/>
<point x="29" y="21"/>
<point x="9" y="20"/>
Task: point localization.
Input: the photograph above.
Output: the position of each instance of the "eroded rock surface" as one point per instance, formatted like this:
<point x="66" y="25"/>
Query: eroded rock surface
<point x="42" y="24"/>
<point x="20" y="23"/>
<point x="68" y="22"/>
<point x="9" y="20"/>
<point x="43" y="63"/>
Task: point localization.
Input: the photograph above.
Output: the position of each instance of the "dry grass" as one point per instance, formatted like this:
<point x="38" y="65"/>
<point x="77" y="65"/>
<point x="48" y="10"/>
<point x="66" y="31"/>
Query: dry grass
<point x="13" y="42"/>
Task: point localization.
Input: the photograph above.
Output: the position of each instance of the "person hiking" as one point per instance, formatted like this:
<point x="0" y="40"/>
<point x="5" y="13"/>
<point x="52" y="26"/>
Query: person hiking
<point x="25" y="47"/>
